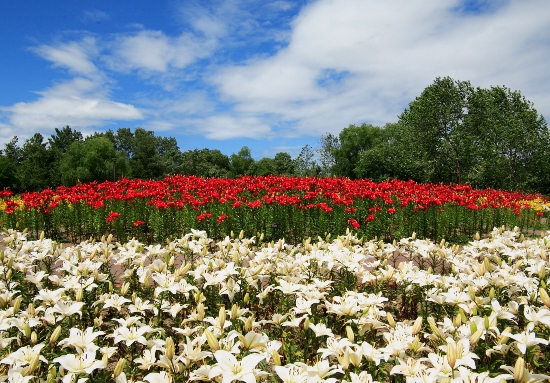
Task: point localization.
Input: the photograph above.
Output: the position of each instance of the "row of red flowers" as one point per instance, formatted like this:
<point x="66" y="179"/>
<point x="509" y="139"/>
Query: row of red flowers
<point x="358" y="202"/>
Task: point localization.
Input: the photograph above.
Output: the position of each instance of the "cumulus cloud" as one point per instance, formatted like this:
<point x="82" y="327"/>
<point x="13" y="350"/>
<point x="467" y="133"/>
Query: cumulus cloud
<point x="364" y="60"/>
<point x="153" y="51"/>
<point x="74" y="56"/>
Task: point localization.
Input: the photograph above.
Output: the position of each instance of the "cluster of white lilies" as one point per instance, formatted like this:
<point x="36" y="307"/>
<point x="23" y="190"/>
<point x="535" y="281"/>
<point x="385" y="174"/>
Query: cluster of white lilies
<point x="341" y="310"/>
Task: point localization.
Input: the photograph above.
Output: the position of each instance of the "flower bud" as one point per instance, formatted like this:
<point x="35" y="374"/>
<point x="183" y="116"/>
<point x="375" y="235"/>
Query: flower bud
<point x="306" y="323"/>
<point x="26" y="329"/>
<point x="248" y="323"/>
<point x="221" y="317"/>
<point x="34" y="337"/>
<point x="119" y="367"/>
<point x="17" y="304"/>
<point x="276" y="357"/>
<point x="52" y="374"/>
<point x="79" y="294"/>
<point x="246" y="298"/>
<point x="417" y="326"/>
<point x="350" y="334"/>
<point x="200" y="311"/>
<point x="124" y="289"/>
<point x="110" y="286"/>
<point x="433" y="326"/>
<point x="55" y="335"/>
<point x="457" y="320"/>
<point x="476" y="336"/>
<point x="390" y="319"/>
<point x="212" y="340"/>
<point x="170" y="348"/>
<point x="34" y="363"/>
<point x="544" y="297"/>
<point x="473" y="327"/>
<point x="519" y="371"/>
<point x="451" y="354"/>
<point x="234" y="311"/>
<point x="504" y="338"/>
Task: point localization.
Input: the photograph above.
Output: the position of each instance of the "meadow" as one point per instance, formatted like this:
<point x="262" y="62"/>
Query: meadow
<point x="215" y="292"/>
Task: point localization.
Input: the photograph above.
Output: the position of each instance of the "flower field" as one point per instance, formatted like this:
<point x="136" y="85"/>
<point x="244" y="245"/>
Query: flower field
<point x="292" y="208"/>
<point x="240" y="309"/>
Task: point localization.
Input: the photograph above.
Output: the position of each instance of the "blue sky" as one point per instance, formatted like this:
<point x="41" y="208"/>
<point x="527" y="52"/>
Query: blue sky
<point x="271" y="75"/>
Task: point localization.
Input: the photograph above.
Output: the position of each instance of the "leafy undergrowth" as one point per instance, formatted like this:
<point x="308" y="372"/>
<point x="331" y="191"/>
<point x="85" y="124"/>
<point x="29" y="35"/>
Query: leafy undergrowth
<point x="240" y="310"/>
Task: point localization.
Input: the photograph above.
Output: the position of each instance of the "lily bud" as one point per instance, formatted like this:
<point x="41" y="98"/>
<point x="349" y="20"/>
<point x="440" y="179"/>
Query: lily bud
<point x="34" y="363"/>
<point x="52" y="374"/>
<point x="350" y="334"/>
<point x="79" y="294"/>
<point x="492" y="293"/>
<point x="124" y="289"/>
<point x="451" y="354"/>
<point x="212" y="340"/>
<point x="276" y="357"/>
<point x="457" y="321"/>
<point x="170" y="348"/>
<point x="473" y="327"/>
<point x="120" y="367"/>
<point x="503" y="338"/>
<point x="30" y="309"/>
<point x="246" y="298"/>
<point x="433" y="326"/>
<point x="17" y="304"/>
<point x="221" y="316"/>
<point x="200" y="311"/>
<point x="476" y="336"/>
<point x="55" y="335"/>
<point x="417" y="326"/>
<point x="248" y="324"/>
<point x="234" y="311"/>
<point x="27" y="329"/>
<point x="519" y="370"/>
<point x="34" y="337"/>
<point x="390" y="319"/>
<point x="544" y="297"/>
<point x="477" y="237"/>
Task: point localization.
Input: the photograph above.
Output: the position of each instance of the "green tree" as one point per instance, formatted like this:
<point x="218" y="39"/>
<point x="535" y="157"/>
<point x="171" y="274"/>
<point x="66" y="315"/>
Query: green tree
<point x="204" y="163"/>
<point x="353" y="141"/>
<point x="8" y="174"/>
<point x="304" y="163"/>
<point x="33" y="169"/>
<point x="265" y="167"/>
<point x="513" y="142"/>
<point x="58" y="144"/>
<point x="242" y="163"/>
<point x="283" y="164"/>
<point x="91" y="160"/>
<point x="330" y="144"/>
<point x="437" y="125"/>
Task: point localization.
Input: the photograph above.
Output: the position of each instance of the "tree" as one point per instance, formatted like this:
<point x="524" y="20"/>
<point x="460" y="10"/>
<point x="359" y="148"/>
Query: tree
<point x="33" y="169"/>
<point x="437" y="125"/>
<point x="91" y="160"/>
<point x="304" y="164"/>
<point x="330" y="144"/>
<point x="513" y="141"/>
<point x="283" y="164"/>
<point x="242" y="163"/>
<point x="8" y="172"/>
<point x="352" y="141"/>
<point x="58" y="144"/>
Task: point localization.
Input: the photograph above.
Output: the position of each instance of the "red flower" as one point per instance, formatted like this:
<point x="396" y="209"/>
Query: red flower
<point x="540" y="213"/>
<point x="139" y="223"/>
<point x="222" y="218"/>
<point x="350" y="210"/>
<point x="237" y="204"/>
<point x="354" y="223"/>
<point x="112" y="216"/>
<point x="202" y="216"/>
<point x="391" y="210"/>
<point x="370" y="217"/>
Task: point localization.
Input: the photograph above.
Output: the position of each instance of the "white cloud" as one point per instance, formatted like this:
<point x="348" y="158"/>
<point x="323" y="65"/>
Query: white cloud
<point x="74" y="56"/>
<point x="155" y="52"/>
<point x="79" y="103"/>
<point x="388" y="52"/>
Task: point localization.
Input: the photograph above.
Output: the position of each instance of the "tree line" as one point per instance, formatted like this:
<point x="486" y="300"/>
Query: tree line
<point x="451" y="133"/>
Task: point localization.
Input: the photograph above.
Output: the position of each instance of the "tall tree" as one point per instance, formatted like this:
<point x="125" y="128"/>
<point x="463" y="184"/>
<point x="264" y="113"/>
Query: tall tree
<point x="304" y="163"/>
<point x="437" y="123"/>
<point x="242" y="163"/>
<point x="513" y="141"/>
<point x="33" y="170"/>
<point x="58" y="144"/>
